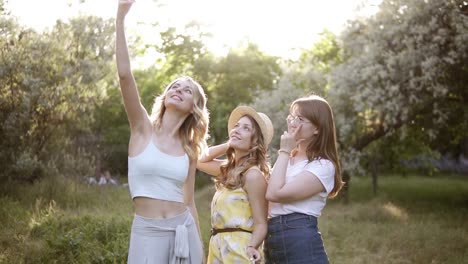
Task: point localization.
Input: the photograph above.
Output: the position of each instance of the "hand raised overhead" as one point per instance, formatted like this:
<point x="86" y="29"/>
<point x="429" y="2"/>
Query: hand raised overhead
<point x="124" y="7"/>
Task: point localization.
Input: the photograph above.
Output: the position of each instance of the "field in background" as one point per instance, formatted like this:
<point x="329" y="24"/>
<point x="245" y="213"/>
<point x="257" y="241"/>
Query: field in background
<point x="411" y="220"/>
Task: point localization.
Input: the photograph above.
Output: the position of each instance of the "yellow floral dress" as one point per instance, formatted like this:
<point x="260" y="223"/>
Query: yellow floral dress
<point x="230" y="209"/>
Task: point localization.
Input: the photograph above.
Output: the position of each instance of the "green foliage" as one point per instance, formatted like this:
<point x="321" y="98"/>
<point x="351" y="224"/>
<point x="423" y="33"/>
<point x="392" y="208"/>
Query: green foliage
<point x="181" y="50"/>
<point x="84" y="239"/>
<point x="63" y="221"/>
<point x="299" y="78"/>
<point x="50" y="84"/>
<point x="111" y="133"/>
<point x="276" y="103"/>
<point x="325" y="53"/>
<point x="239" y="78"/>
<point x="415" y="214"/>
<point x="404" y="153"/>
<point x="407" y="65"/>
<point x="228" y="81"/>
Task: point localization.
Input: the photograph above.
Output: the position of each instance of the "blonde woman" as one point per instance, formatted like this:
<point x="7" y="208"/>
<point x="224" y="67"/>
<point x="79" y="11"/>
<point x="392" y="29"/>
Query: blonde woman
<point x="306" y="173"/>
<point x="162" y="155"/>
<point x="239" y="208"/>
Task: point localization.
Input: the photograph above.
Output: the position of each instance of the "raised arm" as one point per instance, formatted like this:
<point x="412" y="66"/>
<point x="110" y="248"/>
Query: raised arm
<point x="305" y="185"/>
<point x="136" y="113"/>
<point x="208" y="163"/>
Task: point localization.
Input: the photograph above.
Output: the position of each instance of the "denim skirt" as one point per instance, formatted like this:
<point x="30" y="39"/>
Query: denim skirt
<point x="294" y="239"/>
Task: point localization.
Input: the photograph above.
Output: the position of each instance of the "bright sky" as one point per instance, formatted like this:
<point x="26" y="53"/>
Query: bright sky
<point x="279" y="27"/>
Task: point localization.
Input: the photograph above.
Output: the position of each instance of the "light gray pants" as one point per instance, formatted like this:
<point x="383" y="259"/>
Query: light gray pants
<point x="165" y="240"/>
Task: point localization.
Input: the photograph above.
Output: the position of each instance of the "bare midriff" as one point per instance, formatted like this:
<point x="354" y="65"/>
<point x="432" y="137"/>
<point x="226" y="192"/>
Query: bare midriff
<point x="154" y="208"/>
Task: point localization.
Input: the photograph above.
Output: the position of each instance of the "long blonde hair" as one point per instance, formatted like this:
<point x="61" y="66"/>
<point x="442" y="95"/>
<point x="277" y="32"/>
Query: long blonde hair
<point x="232" y="173"/>
<point x="194" y="130"/>
<point x="317" y="110"/>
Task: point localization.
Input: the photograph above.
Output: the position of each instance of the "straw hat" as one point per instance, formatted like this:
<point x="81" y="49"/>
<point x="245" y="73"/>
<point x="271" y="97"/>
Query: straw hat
<point x="263" y="121"/>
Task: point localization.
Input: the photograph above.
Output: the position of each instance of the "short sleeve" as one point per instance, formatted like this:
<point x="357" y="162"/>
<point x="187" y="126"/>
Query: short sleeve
<point x="325" y="172"/>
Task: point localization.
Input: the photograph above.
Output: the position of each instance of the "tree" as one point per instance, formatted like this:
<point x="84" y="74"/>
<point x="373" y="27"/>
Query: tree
<point x="228" y="81"/>
<point x="404" y="69"/>
<point x="238" y="79"/>
<point x="307" y="75"/>
<point x="49" y="86"/>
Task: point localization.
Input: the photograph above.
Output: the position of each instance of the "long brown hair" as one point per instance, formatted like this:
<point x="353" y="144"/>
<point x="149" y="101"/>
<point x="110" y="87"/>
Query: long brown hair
<point x="317" y="110"/>
<point x="194" y="130"/>
<point x="232" y="173"/>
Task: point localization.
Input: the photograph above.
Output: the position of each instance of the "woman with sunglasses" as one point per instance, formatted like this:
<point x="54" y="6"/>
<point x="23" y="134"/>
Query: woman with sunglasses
<point x="306" y="173"/>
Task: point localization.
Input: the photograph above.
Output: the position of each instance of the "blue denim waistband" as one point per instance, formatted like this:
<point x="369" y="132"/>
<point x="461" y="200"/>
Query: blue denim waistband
<point x="289" y="217"/>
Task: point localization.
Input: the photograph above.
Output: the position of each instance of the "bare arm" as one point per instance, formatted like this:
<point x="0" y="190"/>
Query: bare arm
<point x="208" y="163"/>
<point x="136" y="113"/>
<point x="189" y="197"/>
<point x="255" y="186"/>
<point x="305" y="185"/>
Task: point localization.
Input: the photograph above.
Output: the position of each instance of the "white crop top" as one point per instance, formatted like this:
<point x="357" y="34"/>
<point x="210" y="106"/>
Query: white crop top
<point x="157" y="175"/>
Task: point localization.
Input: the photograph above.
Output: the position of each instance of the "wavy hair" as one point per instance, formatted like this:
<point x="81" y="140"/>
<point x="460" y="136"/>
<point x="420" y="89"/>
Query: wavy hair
<point x="232" y="173"/>
<point x="194" y="130"/>
<point x="317" y="110"/>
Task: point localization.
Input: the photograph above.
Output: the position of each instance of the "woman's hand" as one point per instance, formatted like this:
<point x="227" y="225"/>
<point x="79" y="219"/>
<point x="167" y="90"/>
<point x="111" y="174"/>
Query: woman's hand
<point x="124" y="7"/>
<point x="288" y="139"/>
<point x="253" y="254"/>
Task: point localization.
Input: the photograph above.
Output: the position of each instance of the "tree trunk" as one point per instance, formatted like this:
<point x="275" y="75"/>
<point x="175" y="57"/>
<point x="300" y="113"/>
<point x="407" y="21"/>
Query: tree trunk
<point x="345" y="190"/>
<point x="374" y="175"/>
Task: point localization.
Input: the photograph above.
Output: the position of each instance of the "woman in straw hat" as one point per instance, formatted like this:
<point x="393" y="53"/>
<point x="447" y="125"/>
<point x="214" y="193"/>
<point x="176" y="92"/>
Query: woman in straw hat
<point x="162" y="154"/>
<point x="239" y="208"/>
<point x="305" y="174"/>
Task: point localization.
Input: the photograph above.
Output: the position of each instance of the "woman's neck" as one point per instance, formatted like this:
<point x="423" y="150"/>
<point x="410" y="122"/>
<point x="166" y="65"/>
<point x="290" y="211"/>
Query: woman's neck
<point x="171" y="123"/>
<point x="301" y="149"/>
<point x="299" y="154"/>
<point x="239" y="154"/>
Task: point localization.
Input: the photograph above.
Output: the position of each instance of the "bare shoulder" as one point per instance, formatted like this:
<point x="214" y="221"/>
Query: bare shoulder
<point x="253" y="175"/>
<point x="255" y="183"/>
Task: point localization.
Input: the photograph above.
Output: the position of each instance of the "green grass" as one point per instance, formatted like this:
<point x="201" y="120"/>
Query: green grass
<point x="411" y="220"/>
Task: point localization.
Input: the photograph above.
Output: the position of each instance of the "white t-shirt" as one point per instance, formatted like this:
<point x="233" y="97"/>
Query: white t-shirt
<point x="325" y="172"/>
